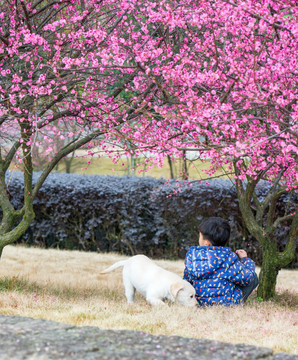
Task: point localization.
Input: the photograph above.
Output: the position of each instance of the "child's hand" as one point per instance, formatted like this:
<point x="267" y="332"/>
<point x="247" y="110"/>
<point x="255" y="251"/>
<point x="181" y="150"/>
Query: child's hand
<point x="241" y="253"/>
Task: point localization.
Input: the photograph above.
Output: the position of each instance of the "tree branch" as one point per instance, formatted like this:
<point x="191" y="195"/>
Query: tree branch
<point x="10" y="155"/>
<point x="5" y="41"/>
<point x="285" y="257"/>
<point x="26" y="16"/>
<point x="281" y="219"/>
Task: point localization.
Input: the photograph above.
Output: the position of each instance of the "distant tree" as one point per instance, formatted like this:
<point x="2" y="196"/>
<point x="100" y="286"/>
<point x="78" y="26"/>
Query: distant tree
<point x="48" y="143"/>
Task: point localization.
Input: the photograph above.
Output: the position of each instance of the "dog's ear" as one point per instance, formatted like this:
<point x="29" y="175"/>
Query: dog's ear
<point x="175" y="288"/>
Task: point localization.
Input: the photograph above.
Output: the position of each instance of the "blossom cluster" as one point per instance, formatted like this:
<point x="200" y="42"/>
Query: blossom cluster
<point x="216" y="77"/>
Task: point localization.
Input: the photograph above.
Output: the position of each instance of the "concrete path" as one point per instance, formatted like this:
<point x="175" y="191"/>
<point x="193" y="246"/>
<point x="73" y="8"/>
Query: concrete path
<point x="26" y="338"/>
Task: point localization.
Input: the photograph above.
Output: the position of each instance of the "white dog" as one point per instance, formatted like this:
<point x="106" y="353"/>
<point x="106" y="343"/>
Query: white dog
<point x="153" y="282"/>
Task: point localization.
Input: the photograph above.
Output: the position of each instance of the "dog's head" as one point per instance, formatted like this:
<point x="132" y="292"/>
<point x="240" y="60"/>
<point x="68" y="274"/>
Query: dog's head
<point x="183" y="293"/>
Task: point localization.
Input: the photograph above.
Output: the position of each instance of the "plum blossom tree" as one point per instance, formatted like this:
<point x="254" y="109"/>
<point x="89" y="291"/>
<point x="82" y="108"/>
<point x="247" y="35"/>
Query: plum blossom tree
<point x="217" y="76"/>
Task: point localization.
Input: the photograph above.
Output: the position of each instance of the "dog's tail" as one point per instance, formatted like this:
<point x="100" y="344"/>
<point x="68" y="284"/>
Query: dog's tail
<point x="114" y="266"/>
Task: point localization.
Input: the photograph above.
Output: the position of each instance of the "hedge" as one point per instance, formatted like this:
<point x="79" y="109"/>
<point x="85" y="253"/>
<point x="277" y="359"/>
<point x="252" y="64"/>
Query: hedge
<point x="133" y="215"/>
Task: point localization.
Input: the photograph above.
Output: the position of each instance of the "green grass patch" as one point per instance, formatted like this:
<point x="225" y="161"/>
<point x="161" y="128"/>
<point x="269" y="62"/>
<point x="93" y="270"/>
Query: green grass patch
<point x="17" y="284"/>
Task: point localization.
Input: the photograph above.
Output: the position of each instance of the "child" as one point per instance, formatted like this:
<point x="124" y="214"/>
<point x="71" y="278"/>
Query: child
<point x="216" y="273"/>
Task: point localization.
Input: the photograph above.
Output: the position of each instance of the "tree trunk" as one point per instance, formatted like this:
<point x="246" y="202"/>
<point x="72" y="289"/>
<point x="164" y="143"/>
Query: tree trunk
<point x="270" y="268"/>
<point x="68" y="162"/>
<point x="67" y="165"/>
<point x="269" y="272"/>
<point x="184" y="169"/>
<point x="171" y="166"/>
<point x="17" y="232"/>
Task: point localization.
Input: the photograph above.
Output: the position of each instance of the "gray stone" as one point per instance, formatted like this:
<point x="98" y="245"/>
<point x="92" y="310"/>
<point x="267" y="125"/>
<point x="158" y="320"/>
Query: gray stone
<point x="35" y="339"/>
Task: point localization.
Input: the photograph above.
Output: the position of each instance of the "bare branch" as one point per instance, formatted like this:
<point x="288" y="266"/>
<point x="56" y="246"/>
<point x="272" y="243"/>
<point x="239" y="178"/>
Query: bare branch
<point x="26" y="16"/>
<point x="281" y="219"/>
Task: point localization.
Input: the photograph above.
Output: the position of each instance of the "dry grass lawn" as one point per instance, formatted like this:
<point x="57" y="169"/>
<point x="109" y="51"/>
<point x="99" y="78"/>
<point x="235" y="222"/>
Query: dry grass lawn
<point x="66" y="286"/>
<point x="105" y="166"/>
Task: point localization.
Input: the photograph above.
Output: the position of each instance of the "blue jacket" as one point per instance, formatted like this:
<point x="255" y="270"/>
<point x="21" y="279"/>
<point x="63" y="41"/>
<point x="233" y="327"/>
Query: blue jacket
<point x="216" y="273"/>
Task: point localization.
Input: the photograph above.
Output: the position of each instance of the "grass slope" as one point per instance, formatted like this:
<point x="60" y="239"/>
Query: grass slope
<point x="66" y="286"/>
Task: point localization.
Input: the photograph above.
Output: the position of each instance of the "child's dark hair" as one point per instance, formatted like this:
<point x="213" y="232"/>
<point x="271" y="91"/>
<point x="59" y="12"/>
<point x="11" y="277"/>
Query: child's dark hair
<point x="216" y="230"/>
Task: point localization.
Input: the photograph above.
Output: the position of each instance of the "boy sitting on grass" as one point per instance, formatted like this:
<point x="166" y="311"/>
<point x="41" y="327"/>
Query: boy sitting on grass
<point x="219" y="276"/>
